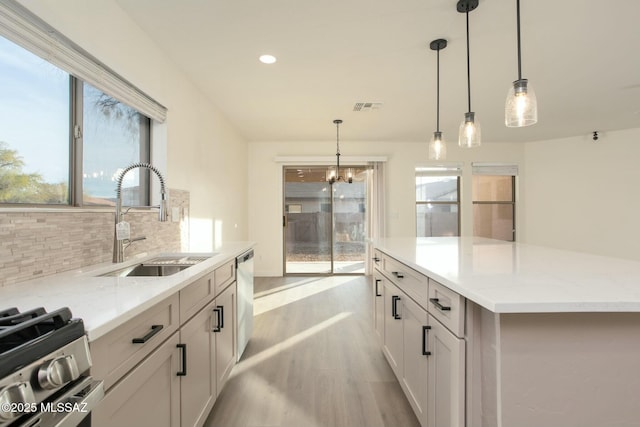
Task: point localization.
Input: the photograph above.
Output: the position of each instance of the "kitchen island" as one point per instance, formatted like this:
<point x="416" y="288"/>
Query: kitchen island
<point x="534" y="336"/>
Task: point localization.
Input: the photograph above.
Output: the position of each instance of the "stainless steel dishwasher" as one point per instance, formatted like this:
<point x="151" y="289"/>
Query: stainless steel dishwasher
<point x="244" y="271"/>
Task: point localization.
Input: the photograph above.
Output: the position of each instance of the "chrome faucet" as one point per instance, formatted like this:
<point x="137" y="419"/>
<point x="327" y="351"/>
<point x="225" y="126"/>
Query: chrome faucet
<point x="118" y="245"/>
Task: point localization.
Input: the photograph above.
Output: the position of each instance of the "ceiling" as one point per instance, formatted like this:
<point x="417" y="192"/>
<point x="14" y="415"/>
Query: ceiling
<point x="581" y="58"/>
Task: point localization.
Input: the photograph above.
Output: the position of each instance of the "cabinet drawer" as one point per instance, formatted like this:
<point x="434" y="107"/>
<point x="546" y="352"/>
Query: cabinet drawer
<point x="447" y="306"/>
<point x="224" y="276"/>
<point x="410" y="281"/>
<point x="195" y="296"/>
<point x="115" y="353"/>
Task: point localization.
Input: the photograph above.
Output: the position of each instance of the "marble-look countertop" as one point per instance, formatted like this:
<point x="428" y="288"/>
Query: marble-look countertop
<point x="507" y="277"/>
<point x="104" y="302"/>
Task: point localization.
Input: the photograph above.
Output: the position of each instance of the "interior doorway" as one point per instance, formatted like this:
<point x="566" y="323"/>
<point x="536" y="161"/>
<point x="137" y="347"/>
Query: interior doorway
<point x="324" y="224"/>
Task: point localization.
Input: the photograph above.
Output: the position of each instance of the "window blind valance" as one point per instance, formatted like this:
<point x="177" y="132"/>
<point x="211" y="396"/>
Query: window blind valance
<point x="27" y="30"/>
<point x="494" y="169"/>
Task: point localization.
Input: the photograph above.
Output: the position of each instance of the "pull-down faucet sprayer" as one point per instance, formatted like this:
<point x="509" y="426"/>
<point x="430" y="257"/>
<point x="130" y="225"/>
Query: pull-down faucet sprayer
<point x="118" y="245"/>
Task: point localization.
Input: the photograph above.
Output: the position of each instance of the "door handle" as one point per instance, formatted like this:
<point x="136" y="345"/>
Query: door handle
<point x="154" y="330"/>
<point x="436" y="302"/>
<point x="394" y="307"/>
<point x="425" y="330"/>
<point x="183" y="372"/>
<point x="218" y="325"/>
<point x="378" y="294"/>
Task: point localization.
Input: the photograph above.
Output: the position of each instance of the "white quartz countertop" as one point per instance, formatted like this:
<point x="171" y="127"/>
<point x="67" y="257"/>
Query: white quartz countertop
<point x="106" y="302"/>
<point x="507" y="277"/>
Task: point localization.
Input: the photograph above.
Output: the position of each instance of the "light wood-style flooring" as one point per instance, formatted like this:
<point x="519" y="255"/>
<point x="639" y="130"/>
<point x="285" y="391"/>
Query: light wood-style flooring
<point x="313" y="360"/>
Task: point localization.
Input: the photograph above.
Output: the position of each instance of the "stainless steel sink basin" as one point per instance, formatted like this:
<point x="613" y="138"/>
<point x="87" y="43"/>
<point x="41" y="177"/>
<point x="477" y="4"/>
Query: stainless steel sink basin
<point x="160" y="266"/>
<point x="147" y="270"/>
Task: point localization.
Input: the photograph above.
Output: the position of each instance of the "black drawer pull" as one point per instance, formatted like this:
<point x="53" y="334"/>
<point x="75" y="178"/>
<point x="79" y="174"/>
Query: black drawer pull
<point x="183" y="372"/>
<point x="397" y="274"/>
<point x="394" y="307"/>
<point x="425" y="352"/>
<point x="378" y="294"/>
<point x="154" y="330"/>
<point x="376" y="259"/>
<point x="436" y="302"/>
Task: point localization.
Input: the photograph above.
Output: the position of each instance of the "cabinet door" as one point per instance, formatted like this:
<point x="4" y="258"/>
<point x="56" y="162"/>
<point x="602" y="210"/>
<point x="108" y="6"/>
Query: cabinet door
<point x="226" y="336"/>
<point x="415" y="328"/>
<point x="149" y="396"/>
<point x="198" y="386"/>
<point x="378" y="307"/>
<point x="393" y="326"/>
<point x="446" y="377"/>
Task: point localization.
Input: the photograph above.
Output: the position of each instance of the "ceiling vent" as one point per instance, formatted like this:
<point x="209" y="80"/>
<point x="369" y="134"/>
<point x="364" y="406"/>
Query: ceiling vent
<point x="367" y="106"/>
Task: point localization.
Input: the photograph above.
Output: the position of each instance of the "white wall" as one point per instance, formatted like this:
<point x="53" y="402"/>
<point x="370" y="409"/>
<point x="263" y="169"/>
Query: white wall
<point x="205" y="155"/>
<point x="583" y="195"/>
<point x="265" y="186"/>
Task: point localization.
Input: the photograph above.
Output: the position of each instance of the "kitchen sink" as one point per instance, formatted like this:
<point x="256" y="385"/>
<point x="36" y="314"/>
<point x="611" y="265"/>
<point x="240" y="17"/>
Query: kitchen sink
<point x="160" y="266"/>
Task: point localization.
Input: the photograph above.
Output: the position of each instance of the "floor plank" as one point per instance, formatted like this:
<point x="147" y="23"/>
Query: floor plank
<point x="312" y="361"/>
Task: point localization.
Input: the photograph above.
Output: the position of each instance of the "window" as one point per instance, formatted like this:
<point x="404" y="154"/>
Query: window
<point x="68" y="124"/>
<point x="34" y="129"/>
<point x="114" y="136"/>
<point x="437" y="202"/>
<point x="494" y="204"/>
<point x="36" y="148"/>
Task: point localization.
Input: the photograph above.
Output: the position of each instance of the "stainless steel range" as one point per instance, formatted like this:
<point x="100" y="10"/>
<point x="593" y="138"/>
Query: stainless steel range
<point x="44" y="367"/>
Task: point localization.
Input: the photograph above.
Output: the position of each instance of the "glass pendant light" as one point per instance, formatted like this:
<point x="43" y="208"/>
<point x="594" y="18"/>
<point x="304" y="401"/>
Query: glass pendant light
<point x="469" y="134"/>
<point x="521" y="107"/>
<point x="437" y="145"/>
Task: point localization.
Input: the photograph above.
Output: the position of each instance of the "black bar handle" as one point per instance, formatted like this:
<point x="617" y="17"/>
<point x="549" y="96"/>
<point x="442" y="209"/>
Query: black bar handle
<point x="221" y="316"/>
<point x="376" y="259"/>
<point x="397" y="274"/>
<point x="154" y="330"/>
<point x="436" y="302"/>
<point x="425" y="352"/>
<point x="378" y="294"/>
<point x="394" y="308"/>
<point x="183" y="372"/>
<point x="218" y="326"/>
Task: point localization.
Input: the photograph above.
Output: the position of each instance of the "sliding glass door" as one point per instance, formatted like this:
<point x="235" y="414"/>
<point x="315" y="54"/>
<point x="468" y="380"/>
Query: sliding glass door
<point x="324" y="224"/>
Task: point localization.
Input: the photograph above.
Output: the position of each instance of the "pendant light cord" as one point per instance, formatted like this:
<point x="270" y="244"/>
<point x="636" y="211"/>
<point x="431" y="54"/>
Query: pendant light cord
<point x="438" y="93"/>
<point x="468" y="65"/>
<point x="338" y="150"/>
<point x="519" y="55"/>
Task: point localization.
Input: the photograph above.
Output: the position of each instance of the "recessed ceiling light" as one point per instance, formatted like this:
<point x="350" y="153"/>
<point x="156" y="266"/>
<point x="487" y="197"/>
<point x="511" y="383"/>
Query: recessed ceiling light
<point x="267" y="59"/>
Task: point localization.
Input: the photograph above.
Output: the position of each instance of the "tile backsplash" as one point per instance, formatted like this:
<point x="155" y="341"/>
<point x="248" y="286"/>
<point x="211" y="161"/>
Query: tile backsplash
<point x="40" y="243"/>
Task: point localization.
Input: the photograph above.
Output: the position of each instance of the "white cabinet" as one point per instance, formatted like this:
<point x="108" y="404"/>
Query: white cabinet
<point x="446" y="384"/>
<point x="148" y="396"/>
<point x="392" y="345"/>
<point x="208" y="340"/>
<point x="378" y="307"/>
<point x="423" y="340"/>
<point x="415" y="375"/>
<point x="225" y="334"/>
<point x="198" y="379"/>
<point x="166" y="366"/>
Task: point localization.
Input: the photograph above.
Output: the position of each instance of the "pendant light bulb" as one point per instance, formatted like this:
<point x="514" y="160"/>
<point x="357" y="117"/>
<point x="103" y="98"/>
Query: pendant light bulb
<point x="437" y="147"/>
<point x="469" y="135"/>
<point x="521" y="106"/>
